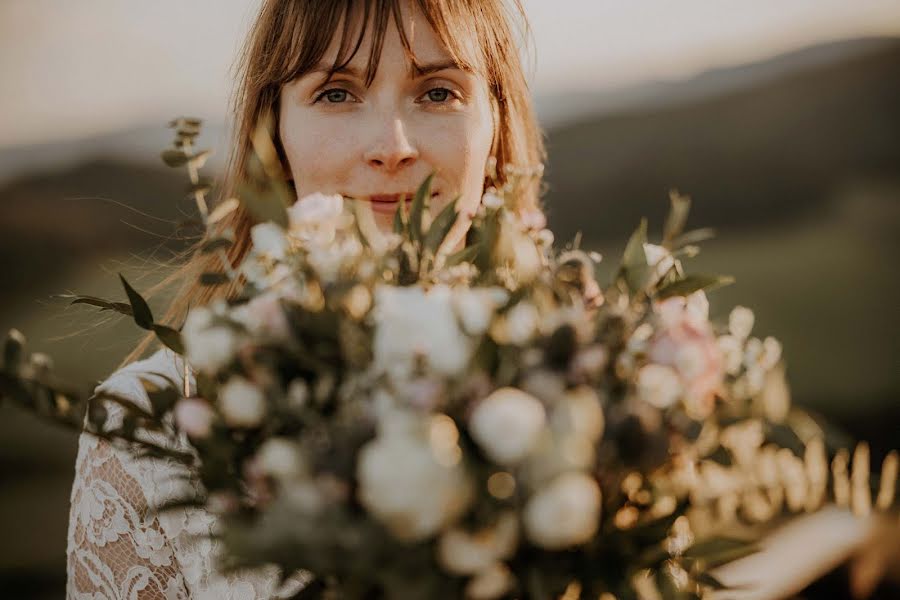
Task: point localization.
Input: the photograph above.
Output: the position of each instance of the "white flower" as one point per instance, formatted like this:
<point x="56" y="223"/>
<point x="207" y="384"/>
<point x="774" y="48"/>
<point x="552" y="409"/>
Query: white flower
<point x="776" y="395"/>
<point x="269" y="240"/>
<point x="517" y="325"/>
<point x="314" y="218"/>
<point x="475" y="307"/>
<point x="281" y="458"/>
<point x="658" y="385"/>
<point x="242" y="403"/>
<point x="771" y="353"/>
<point x="491" y="200"/>
<point x="740" y="322"/>
<point x="556" y="453"/>
<point x="208" y="347"/>
<point x="732" y="353"/>
<point x="493" y="582"/>
<point x="314" y="209"/>
<point x="263" y="316"/>
<point x="565" y="513"/>
<point x="519" y="252"/>
<point x="411" y="322"/>
<point x="507" y="424"/>
<point x="194" y="416"/>
<point x="403" y="485"/>
<point x="465" y="553"/>
<point x="580" y="414"/>
<point x="328" y="259"/>
<point x="660" y="260"/>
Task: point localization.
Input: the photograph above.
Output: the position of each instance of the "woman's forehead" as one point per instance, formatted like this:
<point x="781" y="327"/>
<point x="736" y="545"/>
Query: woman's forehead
<point x="359" y="46"/>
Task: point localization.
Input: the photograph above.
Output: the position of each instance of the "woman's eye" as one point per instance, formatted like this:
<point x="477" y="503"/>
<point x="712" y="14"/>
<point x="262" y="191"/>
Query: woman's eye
<point x="438" y="94"/>
<point x="334" y="96"/>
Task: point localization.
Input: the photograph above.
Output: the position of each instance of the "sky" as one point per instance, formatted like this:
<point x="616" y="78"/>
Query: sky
<point x="77" y="69"/>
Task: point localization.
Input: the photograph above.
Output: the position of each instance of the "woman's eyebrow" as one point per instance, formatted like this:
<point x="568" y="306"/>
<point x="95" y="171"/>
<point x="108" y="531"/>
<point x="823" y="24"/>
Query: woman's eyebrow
<point x="418" y="70"/>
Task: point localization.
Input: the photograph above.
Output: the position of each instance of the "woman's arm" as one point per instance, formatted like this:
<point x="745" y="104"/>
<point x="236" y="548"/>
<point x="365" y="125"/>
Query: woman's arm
<point x="795" y="555"/>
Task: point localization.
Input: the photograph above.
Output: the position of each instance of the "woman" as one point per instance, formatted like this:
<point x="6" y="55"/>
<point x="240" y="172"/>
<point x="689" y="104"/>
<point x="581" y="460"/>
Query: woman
<point x="370" y="96"/>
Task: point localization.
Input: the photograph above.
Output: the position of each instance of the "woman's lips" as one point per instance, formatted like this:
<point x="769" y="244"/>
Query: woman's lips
<point x="388" y="203"/>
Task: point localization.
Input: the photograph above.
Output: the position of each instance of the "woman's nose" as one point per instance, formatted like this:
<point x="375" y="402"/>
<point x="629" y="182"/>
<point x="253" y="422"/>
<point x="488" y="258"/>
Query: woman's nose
<point x="392" y="149"/>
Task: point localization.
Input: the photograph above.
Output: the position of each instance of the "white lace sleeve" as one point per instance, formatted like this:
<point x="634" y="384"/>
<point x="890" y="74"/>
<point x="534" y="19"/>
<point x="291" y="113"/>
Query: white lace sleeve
<point x="119" y="547"/>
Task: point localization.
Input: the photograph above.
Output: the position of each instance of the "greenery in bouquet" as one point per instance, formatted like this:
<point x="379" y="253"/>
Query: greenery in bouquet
<point x="404" y="416"/>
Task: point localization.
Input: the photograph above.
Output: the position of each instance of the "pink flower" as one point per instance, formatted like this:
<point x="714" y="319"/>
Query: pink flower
<point x="194" y="416"/>
<point x="264" y="316"/>
<point x="685" y="342"/>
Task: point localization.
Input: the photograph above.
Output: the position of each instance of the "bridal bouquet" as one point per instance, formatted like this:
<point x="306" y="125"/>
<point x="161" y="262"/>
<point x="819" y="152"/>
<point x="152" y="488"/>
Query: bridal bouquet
<point x="406" y="419"/>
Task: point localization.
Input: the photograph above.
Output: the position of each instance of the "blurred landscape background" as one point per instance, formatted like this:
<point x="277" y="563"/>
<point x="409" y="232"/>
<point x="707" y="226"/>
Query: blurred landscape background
<point x="789" y="150"/>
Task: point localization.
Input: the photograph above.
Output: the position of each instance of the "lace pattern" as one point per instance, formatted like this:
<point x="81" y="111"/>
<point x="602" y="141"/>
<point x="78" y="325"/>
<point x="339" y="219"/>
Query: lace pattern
<point x="119" y="548"/>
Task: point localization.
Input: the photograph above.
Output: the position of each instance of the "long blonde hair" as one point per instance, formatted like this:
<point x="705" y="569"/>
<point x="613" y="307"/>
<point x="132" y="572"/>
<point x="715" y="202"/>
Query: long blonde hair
<point x="289" y="37"/>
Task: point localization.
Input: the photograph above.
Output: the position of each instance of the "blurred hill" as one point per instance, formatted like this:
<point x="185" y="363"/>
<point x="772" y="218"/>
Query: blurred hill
<point x="770" y="143"/>
<point x="795" y="161"/>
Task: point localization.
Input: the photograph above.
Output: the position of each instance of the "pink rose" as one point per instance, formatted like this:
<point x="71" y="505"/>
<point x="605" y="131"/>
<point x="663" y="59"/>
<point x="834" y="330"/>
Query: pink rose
<point x="685" y="341"/>
<point x="264" y="316"/>
<point x="194" y="416"/>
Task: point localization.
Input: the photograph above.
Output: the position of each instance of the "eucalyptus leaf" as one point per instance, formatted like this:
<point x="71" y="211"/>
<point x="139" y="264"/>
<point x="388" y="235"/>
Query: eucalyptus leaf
<point x="264" y="206"/>
<point x="440" y="227"/>
<point x="467" y="254"/>
<point x="418" y="208"/>
<point x="222" y="210"/>
<point x="215" y="244"/>
<point x="139" y="307"/>
<point x="717" y="546"/>
<point x="709" y="581"/>
<point x="169" y="337"/>
<point x="13" y="350"/>
<point x="203" y="186"/>
<point x="174" y="158"/>
<point x="119" y="307"/>
<point x="635" y="268"/>
<point x="211" y="278"/>
<point x="199" y="159"/>
<point x="692" y="283"/>
<point x="677" y="218"/>
<point x="694" y="236"/>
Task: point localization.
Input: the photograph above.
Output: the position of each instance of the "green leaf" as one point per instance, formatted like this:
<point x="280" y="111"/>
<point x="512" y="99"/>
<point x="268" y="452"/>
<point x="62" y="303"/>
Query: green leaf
<point x="715" y="547"/>
<point x="400" y="219"/>
<point x="162" y="399"/>
<point x="634" y="260"/>
<point x="215" y="244"/>
<point x="186" y="123"/>
<point x="693" y="283"/>
<point x="13" y="350"/>
<point x="199" y="159"/>
<point x="678" y="214"/>
<point x="214" y="278"/>
<point x="467" y="254"/>
<point x="169" y="337"/>
<point x="139" y="307"/>
<point x="202" y="186"/>
<point x="222" y="210"/>
<point x="709" y="581"/>
<point x="366" y="226"/>
<point x="694" y="236"/>
<point x="418" y="208"/>
<point x="174" y="158"/>
<point x="264" y="205"/>
<point x="441" y="226"/>
<point x="119" y="307"/>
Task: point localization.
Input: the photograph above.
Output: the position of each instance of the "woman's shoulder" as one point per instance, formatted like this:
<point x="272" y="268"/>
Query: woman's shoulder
<point x="161" y="365"/>
<point x="163" y="368"/>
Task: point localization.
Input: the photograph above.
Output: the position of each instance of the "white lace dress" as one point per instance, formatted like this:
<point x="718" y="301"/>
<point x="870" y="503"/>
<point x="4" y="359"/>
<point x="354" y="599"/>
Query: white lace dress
<point x="118" y="548"/>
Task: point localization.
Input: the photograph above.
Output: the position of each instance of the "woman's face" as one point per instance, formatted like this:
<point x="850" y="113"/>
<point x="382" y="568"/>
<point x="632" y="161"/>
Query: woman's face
<point x="380" y="142"/>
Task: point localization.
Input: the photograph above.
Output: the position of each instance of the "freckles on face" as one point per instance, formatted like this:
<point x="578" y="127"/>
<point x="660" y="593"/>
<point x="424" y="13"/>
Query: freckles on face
<point x="341" y="136"/>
